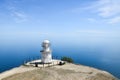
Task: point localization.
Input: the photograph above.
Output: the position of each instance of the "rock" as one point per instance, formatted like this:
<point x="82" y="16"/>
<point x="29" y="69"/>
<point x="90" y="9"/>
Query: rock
<point x="68" y="71"/>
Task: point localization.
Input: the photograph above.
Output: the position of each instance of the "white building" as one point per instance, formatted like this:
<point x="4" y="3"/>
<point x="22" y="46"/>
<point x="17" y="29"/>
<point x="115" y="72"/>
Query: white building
<point x="46" y="56"/>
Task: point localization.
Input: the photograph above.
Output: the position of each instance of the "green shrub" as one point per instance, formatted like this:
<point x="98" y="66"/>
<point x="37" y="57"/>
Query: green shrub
<point x="68" y="59"/>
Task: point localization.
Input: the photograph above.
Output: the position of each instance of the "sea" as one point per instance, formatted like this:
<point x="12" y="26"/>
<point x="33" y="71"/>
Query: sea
<point x="104" y="57"/>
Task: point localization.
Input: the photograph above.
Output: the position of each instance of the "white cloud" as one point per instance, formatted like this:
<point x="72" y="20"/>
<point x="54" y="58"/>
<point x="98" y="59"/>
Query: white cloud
<point x="92" y="31"/>
<point x="108" y="10"/>
<point x="17" y="14"/>
<point x="91" y="19"/>
<point x="114" y="20"/>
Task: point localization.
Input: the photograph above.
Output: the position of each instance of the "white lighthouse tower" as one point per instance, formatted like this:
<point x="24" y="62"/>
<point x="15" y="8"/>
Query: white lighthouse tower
<point x="46" y="52"/>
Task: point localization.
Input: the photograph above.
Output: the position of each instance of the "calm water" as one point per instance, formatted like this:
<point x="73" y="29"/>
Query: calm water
<point x="95" y="56"/>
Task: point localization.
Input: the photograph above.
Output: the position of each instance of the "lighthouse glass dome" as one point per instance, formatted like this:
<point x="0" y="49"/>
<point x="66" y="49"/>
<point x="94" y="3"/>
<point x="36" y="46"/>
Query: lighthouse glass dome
<point x="46" y="41"/>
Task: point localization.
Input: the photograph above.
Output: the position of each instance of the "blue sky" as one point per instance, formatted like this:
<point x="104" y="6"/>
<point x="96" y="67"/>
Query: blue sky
<point x="91" y="21"/>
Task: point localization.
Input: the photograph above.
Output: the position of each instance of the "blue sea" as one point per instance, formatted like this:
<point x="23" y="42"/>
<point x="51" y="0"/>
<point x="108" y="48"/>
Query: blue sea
<point x="105" y="57"/>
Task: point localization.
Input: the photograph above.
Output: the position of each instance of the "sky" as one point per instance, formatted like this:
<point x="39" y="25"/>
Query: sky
<point x="61" y="21"/>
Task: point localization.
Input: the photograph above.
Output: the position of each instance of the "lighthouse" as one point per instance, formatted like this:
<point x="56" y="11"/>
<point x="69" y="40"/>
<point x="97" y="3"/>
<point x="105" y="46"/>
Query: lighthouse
<point x="46" y="53"/>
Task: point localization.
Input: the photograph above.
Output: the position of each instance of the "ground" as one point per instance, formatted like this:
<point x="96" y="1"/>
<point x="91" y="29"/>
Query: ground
<point x="65" y="72"/>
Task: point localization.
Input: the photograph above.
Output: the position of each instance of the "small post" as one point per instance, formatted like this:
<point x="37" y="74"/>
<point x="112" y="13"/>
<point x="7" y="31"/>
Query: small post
<point x="36" y="65"/>
<point x="53" y="63"/>
<point x="43" y="65"/>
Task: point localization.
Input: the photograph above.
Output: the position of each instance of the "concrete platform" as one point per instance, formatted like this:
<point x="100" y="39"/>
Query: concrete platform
<point x="38" y="63"/>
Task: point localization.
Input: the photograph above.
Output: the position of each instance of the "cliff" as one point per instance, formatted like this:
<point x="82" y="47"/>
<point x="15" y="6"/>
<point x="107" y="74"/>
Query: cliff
<point x="65" y="72"/>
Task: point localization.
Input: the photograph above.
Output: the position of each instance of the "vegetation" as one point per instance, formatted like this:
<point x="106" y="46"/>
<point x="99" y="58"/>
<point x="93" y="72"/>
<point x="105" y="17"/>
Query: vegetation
<point x="68" y="59"/>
